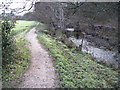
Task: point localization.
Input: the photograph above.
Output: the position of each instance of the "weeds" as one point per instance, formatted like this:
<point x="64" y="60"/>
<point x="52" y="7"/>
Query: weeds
<point x="13" y="71"/>
<point x="77" y="69"/>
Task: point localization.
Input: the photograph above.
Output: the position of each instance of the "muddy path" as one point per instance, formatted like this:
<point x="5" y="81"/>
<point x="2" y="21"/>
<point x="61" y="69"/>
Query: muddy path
<point x="41" y="73"/>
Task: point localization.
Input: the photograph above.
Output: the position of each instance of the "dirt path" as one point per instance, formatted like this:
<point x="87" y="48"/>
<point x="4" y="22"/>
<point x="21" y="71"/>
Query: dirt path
<point x="41" y="73"/>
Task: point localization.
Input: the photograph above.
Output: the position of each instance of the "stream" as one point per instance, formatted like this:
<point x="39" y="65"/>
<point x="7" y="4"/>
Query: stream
<point x="99" y="54"/>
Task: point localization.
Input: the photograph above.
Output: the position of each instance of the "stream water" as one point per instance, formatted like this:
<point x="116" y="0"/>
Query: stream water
<point x="97" y="53"/>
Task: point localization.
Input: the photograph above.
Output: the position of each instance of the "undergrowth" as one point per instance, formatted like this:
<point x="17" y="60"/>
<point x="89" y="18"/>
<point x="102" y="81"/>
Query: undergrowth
<point x="76" y="69"/>
<point x="12" y="72"/>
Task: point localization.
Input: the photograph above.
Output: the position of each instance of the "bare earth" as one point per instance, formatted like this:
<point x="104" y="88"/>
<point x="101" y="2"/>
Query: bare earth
<point x="41" y="73"/>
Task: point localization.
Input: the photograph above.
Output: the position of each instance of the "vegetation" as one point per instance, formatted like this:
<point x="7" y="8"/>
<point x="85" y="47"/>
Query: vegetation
<point x="98" y="22"/>
<point x="94" y="19"/>
<point x="77" y="69"/>
<point x="7" y="41"/>
<point x="19" y="60"/>
<point x="60" y="15"/>
<point x="22" y="26"/>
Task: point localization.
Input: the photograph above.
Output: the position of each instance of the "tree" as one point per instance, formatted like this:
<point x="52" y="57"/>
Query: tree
<point x="66" y="14"/>
<point x="91" y="13"/>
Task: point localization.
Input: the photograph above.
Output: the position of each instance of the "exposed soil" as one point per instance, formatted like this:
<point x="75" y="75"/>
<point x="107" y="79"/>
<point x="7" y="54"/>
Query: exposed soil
<point x="41" y="73"/>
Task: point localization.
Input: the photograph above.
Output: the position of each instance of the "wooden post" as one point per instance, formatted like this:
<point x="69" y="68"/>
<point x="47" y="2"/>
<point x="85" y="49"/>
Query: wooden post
<point x="80" y="46"/>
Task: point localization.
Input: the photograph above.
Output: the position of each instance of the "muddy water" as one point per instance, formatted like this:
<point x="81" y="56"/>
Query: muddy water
<point x="99" y="54"/>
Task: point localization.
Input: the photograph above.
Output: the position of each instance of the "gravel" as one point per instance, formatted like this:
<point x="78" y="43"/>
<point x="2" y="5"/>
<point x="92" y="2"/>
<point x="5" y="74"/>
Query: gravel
<point x="41" y="73"/>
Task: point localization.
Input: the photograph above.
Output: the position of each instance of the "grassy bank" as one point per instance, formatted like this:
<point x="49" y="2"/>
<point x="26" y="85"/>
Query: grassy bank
<point x="13" y="71"/>
<point x="77" y="69"/>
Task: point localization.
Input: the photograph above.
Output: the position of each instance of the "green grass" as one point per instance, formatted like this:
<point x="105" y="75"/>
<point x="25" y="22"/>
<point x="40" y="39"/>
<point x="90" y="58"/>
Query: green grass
<point x="22" y="26"/>
<point x="77" y="69"/>
<point x="13" y="72"/>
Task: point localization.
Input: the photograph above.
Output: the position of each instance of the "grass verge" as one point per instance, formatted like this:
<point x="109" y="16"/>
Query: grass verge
<point x="12" y="72"/>
<point x="77" y="69"/>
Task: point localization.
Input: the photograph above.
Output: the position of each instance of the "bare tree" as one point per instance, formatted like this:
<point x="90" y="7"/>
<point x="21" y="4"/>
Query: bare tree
<point x="7" y="10"/>
<point x="50" y="13"/>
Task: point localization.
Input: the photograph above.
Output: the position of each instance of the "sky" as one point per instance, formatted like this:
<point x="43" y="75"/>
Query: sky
<point x="17" y="4"/>
<point x="21" y="3"/>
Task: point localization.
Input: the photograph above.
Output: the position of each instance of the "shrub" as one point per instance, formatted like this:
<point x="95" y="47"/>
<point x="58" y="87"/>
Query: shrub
<point x="7" y="41"/>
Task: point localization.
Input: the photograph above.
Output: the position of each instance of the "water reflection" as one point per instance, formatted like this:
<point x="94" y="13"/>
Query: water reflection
<point x="99" y="54"/>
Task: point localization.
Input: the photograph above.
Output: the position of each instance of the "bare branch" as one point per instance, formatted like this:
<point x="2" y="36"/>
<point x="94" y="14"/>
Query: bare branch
<point x="5" y="6"/>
